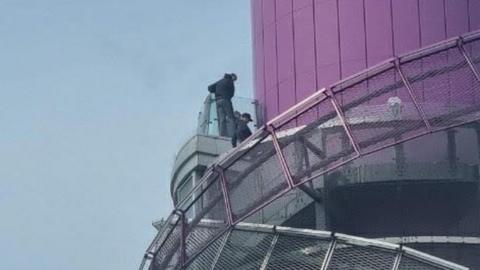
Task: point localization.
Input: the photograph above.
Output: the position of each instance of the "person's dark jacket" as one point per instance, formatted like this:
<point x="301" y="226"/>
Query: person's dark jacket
<point x="224" y="88"/>
<point x="242" y="132"/>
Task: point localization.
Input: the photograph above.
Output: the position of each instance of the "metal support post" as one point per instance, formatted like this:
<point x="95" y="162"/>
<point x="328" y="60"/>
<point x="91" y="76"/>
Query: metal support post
<point x="302" y="157"/>
<point x="452" y="150"/>
<point x="398" y="258"/>
<point x="400" y="160"/>
<point x="340" y="114"/>
<point x="329" y="254"/>
<point x="311" y="192"/>
<point x="301" y="154"/>
<point x="476" y="127"/>
<point x="226" y="196"/>
<point x="220" y="249"/>
<point x="269" y="252"/>
<point x="412" y="96"/>
<point x="174" y="212"/>
<point x="183" y="247"/>
<point x="469" y="61"/>
<point x="280" y="156"/>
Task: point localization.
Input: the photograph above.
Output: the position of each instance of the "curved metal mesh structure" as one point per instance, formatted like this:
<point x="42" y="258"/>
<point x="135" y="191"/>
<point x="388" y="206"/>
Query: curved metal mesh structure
<point x="430" y="90"/>
<point x="257" y="246"/>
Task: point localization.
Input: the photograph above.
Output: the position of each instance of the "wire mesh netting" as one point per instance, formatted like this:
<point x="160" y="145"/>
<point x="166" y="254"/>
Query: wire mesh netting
<point x="205" y="218"/>
<point x="386" y="116"/>
<point x="346" y="256"/>
<point x="254" y="246"/>
<point x="254" y="178"/>
<point x="244" y="250"/>
<point x="408" y="263"/>
<point x="210" y="255"/>
<point x="317" y="145"/>
<point x="433" y="89"/>
<point x="168" y="255"/>
<point x="302" y="253"/>
<point x="445" y="86"/>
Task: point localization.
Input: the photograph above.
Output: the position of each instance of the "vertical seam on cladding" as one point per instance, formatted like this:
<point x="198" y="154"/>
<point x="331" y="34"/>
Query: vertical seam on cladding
<point x="315" y="43"/>
<point x="420" y="39"/>
<point x="366" y="62"/>
<point x="276" y="55"/>
<point x="339" y="40"/>
<point x="365" y="34"/>
<point x="419" y="24"/>
<point x="468" y="14"/>
<point x="391" y="27"/>
<point x="445" y="18"/>
<point x="294" y="54"/>
<point x="254" y="46"/>
<point x="263" y="61"/>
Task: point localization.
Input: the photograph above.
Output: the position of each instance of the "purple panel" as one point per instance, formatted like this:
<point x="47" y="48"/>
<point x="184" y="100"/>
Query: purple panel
<point x="301" y="4"/>
<point x="378" y="34"/>
<point x="457" y="17"/>
<point x="271" y="70"/>
<point x="285" y="40"/>
<point x="406" y="29"/>
<point x="406" y="26"/>
<point x="306" y="83"/>
<point x="271" y="107"/>
<point x="474" y="10"/>
<point x="268" y="12"/>
<point x="287" y="94"/>
<point x="304" y="49"/>
<point x="456" y="12"/>
<point x="352" y="37"/>
<point x="284" y="7"/>
<point x="432" y="21"/>
<point x="285" y="54"/>
<point x="328" y="54"/>
<point x="379" y="31"/>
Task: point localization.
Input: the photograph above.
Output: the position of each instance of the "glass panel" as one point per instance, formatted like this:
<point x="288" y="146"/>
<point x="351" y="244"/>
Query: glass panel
<point x="208" y="118"/>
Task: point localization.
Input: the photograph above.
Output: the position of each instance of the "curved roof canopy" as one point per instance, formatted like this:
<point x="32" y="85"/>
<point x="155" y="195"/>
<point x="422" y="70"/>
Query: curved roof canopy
<point x="258" y="246"/>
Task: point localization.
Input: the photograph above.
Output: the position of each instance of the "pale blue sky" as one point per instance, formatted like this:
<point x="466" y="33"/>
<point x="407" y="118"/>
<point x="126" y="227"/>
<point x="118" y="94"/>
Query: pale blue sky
<point x="96" y="96"/>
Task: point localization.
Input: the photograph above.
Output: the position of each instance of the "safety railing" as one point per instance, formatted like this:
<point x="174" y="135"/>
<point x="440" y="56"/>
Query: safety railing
<point x="432" y="89"/>
<point x="208" y="118"/>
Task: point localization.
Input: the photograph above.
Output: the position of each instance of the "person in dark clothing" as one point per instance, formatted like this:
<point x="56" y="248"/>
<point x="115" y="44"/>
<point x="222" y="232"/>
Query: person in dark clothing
<point x="224" y="90"/>
<point x="242" y="131"/>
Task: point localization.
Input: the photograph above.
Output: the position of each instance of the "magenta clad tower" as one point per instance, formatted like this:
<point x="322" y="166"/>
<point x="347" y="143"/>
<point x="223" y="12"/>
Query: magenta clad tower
<point x="303" y="45"/>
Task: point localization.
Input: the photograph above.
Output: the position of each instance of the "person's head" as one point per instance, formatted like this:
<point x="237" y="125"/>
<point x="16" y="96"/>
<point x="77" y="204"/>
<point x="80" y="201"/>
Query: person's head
<point x="231" y="76"/>
<point x="246" y="117"/>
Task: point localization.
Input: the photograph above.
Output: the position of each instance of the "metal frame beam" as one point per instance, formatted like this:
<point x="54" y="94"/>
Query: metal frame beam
<point x="460" y="44"/>
<point x="269" y="252"/>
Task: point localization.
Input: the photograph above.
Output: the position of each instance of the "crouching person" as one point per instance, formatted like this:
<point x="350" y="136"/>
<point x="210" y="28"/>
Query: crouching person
<point x="242" y="131"/>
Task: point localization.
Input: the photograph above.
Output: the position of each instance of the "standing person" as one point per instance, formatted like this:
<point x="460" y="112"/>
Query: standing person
<point x="224" y="90"/>
<point x="242" y="131"/>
